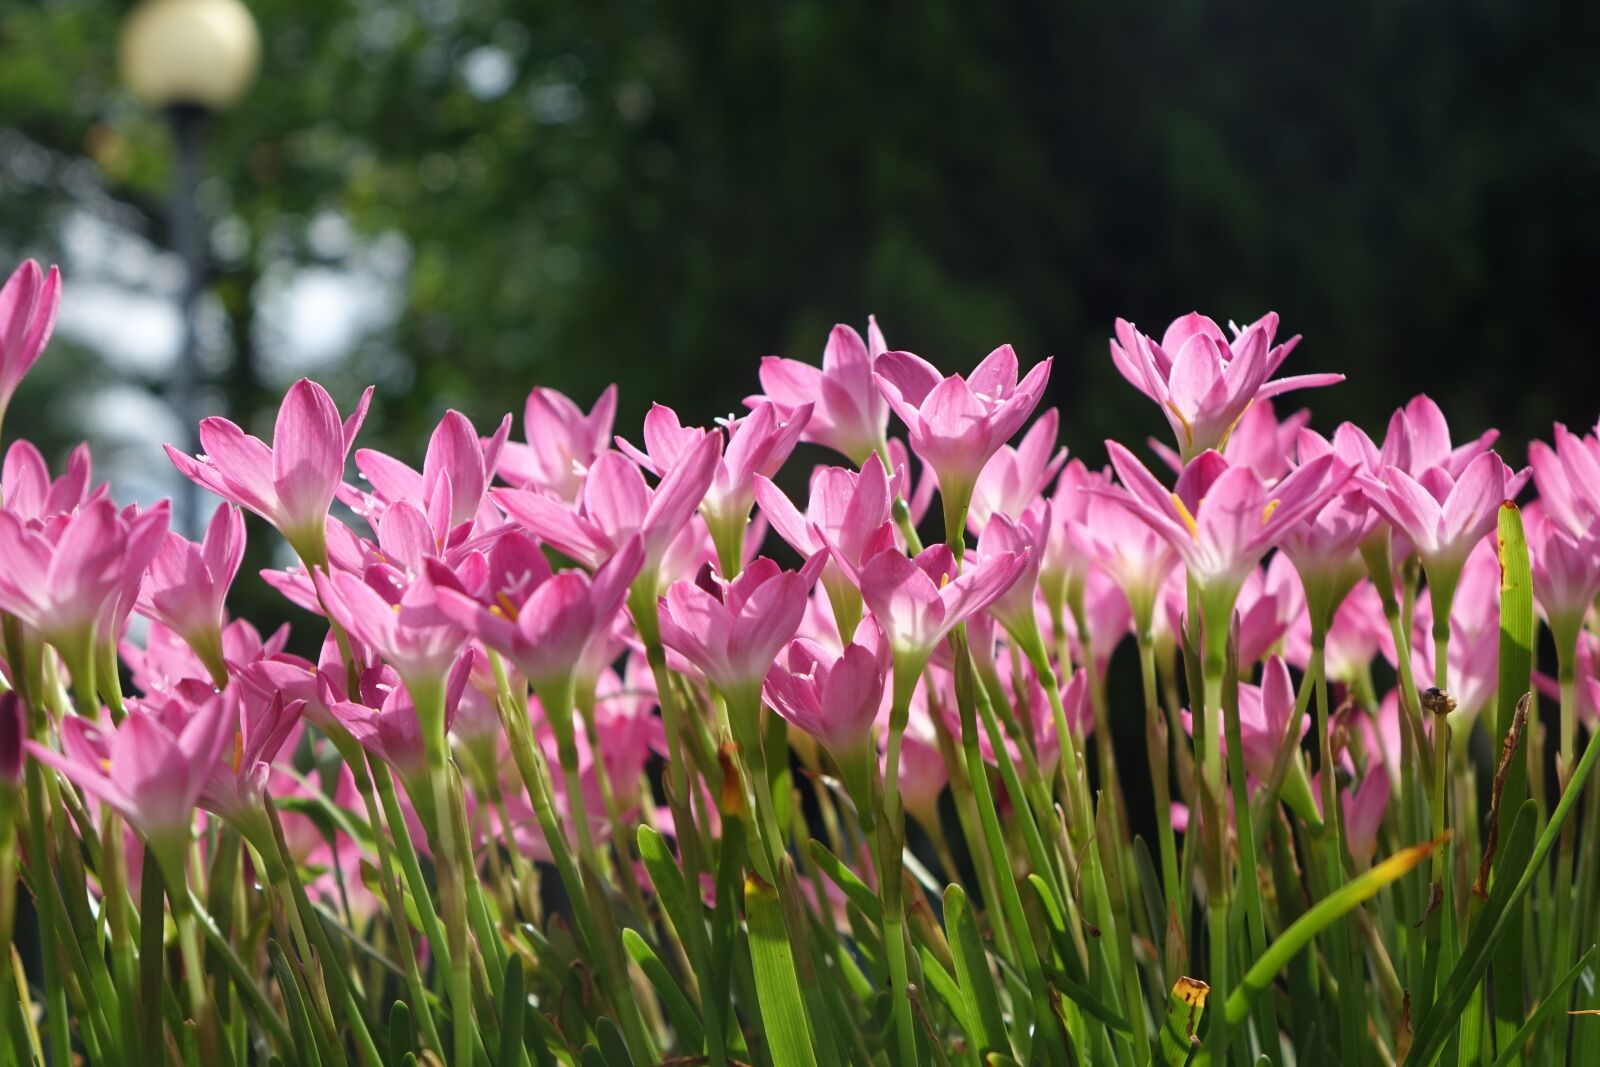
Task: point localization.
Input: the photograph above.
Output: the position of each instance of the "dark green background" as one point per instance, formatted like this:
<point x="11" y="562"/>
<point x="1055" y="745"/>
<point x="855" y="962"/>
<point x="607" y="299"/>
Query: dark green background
<point x="670" y="190"/>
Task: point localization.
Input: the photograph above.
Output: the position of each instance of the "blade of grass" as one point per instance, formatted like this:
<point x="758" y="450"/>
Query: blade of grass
<point x="1512" y="1050"/>
<point x="777" y="988"/>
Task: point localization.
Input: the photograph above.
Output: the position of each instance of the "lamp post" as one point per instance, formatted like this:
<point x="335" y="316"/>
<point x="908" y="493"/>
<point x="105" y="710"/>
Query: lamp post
<point x="191" y="59"/>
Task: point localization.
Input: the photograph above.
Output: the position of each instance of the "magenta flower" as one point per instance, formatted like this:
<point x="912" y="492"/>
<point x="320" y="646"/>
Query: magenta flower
<point x="835" y="699"/>
<point x="956" y="424"/>
<point x="563" y="443"/>
<point x="1568" y="477"/>
<point x="1015" y="477"/>
<point x="616" y="503"/>
<point x="1363" y="812"/>
<point x="1203" y="382"/>
<point x="1222" y="520"/>
<point x="187" y="584"/>
<point x="1325" y="547"/>
<point x="28" y="304"/>
<point x="847" y="414"/>
<point x="1566" y="573"/>
<point x="1474" y="655"/>
<point x="732" y="631"/>
<point x="65" y="579"/>
<point x="150" y="773"/>
<point x="291" y="483"/>
<point x="545" y="633"/>
<point x="238" y="779"/>
<point x="918" y="601"/>
<point x="1444" y="517"/>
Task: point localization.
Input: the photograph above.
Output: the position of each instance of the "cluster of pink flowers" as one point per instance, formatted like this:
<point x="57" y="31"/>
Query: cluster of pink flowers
<point x="446" y="567"/>
<point x="583" y="579"/>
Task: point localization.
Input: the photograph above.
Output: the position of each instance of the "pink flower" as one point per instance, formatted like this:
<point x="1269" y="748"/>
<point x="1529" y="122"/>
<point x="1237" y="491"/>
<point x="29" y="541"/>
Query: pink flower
<point x="918" y="601"/>
<point x="1222" y="520"/>
<point x="1568" y="477"/>
<point x="1203" y="382"/>
<point x="1016" y="608"/>
<point x="28" y="492"/>
<point x="65" y="579"/>
<point x="1259" y="441"/>
<point x="407" y="624"/>
<point x="557" y="617"/>
<point x="1418" y="438"/>
<point x="456" y="471"/>
<point x="1264" y="715"/>
<point x="1358" y="633"/>
<point x="1566" y="572"/>
<point x="563" y="443"/>
<point x="1269" y="604"/>
<point x="28" y="304"/>
<point x="732" y="631"/>
<point x="923" y="774"/>
<point x="834" y="698"/>
<point x="290" y="484"/>
<point x="187" y="584"/>
<point x="1015" y="477"/>
<point x="616" y="503"/>
<point x="847" y="515"/>
<point x="384" y="721"/>
<point x="1325" y="547"/>
<point x="148" y="772"/>
<point x="956" y="424"/>
<point x="1442" y="516"/>
<point x="1134" y="556"/>
<point x="237" y="781"/>
<point x="1064" y="564"/>
<point x="758" y="444"/>
<point x="847" y="414"/>
<point x="1363" y="812"/>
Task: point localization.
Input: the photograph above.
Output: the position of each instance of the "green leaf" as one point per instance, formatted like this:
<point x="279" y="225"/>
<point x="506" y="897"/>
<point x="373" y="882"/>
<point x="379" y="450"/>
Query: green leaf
<point x="1516" y="677"/>
<point x="680" y="909"/>
<point x="512" y="1003"/>
<point x="1186" y="1004"/>
<point x="777" y="989"/>
<point x="612" y="1046"/>
<point x="685" y="1019"/>
<point x="1513" y="1048"/>
<point x="402" y="1034"/>
<point x="972" y="975"/>
<point x="854" y="889"/>
<point x="299" y="1021"/>
<point x="1323" y="914"/>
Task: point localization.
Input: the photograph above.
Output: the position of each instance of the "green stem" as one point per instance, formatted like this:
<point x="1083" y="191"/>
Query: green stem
<point x="1156" y="742"/>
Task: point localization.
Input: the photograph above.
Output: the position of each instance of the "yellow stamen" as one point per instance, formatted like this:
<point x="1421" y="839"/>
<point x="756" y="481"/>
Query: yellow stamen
<point x="1234" y="425"/>
<point x="1188" y="431"/>
<point x="238" y="750"/>
<point x="1188" y="519"/>
<point x="504" y="607"/>
<point x="1266" y="512"/>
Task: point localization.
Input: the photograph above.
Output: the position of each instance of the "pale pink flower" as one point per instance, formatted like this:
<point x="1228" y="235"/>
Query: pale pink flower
<point x="28" y="303"/>
<point x="834" y="698"/>
<point x="28" y="492"/>
<point x="1568" y="478"/>
<point x="1222" y="520"/>
<point x="1270" y="602"/>
<point x="616" y="503"/>
<point x="1566" y="571"/>
<point x="957" y="423"/>
<point x="186" y="585"/>
<point x="148" y="772"/>
<point x="918" y="601"/>
<point x="1204" y="382"/>
<point x="563" y="443"/>
<point x="847" y="414"/>
<point x="732" y="631"/>
<point x="1015" y="477"/>
<point x="456" y="471"/>
<point x="1127" y="550"/>
<point x="290" y="483"/>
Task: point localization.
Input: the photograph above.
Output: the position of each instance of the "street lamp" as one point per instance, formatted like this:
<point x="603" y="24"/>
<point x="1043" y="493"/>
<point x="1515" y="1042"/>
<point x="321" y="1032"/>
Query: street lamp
<point x="191" y="59"/>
